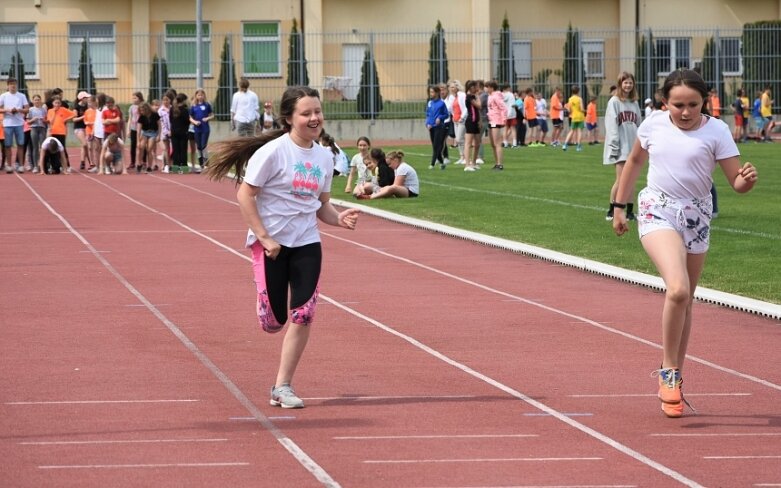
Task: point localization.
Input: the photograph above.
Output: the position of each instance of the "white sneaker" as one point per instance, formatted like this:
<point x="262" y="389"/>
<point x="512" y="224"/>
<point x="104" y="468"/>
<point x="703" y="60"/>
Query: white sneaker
<point x="166" y="169"/>
<point x="480" y="161"/>
<point x="446" y="161"/>
<point x="470" y="168"/>
<point x="461" y="161"/>
<point x="107" y="171"/>
<point x="9" y="169"/>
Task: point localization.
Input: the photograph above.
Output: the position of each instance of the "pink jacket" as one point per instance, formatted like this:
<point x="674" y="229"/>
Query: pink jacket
<point x="497" y="111"/>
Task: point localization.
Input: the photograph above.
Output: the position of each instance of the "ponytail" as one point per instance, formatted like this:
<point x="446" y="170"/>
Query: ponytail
<point x="233" y="154"/>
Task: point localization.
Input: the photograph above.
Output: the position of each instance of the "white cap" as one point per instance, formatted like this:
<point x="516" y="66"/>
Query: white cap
<point x="647" y="101"/>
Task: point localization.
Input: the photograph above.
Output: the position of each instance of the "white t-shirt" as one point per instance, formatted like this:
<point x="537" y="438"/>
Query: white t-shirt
<point x="244" y="107"/>
<point x="509" y="102"/>
<point x="97" y="127"/>
<point x="290" y="179"/>
<point x="16" y="100"/>
<point x="48" y="140"/>
<point x="410" y="177"/>
<point x="681" y="162"/>
<point x="364" y="174"/>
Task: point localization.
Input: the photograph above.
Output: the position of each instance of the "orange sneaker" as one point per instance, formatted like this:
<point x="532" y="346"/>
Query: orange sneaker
<point x="670" y="382"/>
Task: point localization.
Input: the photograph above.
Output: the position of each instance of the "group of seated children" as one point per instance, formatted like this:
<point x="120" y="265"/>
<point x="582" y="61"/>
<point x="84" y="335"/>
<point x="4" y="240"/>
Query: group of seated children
<point x="376" y="175"/>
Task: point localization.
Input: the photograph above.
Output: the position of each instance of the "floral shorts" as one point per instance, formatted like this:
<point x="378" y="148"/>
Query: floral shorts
<point x="690" y="218"/>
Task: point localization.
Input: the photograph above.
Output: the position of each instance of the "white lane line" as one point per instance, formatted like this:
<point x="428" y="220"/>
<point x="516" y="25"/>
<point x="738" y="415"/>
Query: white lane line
<point x="392" y="397"/>
<point x="302" y="457"/>
<point x="722" y="458"/>
<point x="717" y="434"/>
<point x="137" y="466"/>
<point x="635" y="395"/>
<point x="451" y="436"/>
<point x="767" y="484"/>
<point x="636" y="455"/>
<point x="539" y="486"/>
<point x="118" y="441"/>
<point x="576" y="318"/>
<point x="98" y="402"/>
<point x="545" y="414"/>
<point x="479" y="460"/>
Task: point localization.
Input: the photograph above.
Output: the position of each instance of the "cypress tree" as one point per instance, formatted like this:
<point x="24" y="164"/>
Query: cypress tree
<point x="159" y="82"/>
<point x="438" y="71"/>
<point x="369" y="99"/>
<point x="17" y="71"/>
<point x="506" y="72"/>
<point x="573" y="70"/>
<point x="86" y="81"/>
<point x="227" y="83"/>
<point x="297" y="72"/>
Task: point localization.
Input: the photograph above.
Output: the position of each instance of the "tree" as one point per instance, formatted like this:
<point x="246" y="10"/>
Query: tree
<point x="438" y="71"/>
<point x="762" y="57"/>
<point x="506" y="69"/>
<point x="17" y="71"/>
<point x="86" y="80"/>
<point x="646" y="66"/>
<point x="574" y="71"/>
<point x="541" y="82"/>
<point x="712" y="72"/>
<point x="297" y="73"/>
<point x="369" y="99"/>
<point x="159" y="82"/>
<point x="227" y="83"/>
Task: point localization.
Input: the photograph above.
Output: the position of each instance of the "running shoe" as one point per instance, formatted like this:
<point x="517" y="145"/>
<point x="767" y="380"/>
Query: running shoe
<point x="609" y="215"/>
<point x="670" y="383"/>
<point x="284" y="396"/>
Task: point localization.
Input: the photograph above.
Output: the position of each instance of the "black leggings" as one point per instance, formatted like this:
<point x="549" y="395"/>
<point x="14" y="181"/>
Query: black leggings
<point x="296" y="269"/>
<point x="179" y="149"/>
<point x="438" y="135"/>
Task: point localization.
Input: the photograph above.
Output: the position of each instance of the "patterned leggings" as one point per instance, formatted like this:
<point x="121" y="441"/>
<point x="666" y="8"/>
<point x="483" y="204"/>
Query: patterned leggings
<point x="296" y="269"/>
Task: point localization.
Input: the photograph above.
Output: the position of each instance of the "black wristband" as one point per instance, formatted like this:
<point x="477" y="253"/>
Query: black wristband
<point x="619" y="205"/>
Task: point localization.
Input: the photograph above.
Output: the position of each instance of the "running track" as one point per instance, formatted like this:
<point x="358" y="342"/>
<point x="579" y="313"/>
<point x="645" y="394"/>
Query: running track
<point x="130" y="356"/>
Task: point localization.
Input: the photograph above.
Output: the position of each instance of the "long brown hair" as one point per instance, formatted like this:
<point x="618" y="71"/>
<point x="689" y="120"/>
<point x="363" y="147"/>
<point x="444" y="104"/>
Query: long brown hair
<point x="233" y="154"/>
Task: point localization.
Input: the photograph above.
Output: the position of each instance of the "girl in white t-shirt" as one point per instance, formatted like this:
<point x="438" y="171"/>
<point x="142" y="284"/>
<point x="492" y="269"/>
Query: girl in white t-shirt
<point x="283" y="191"/>
<point x="682" y="146"/>
<point x="405" y="183"/>
<point x="357" y="165"/>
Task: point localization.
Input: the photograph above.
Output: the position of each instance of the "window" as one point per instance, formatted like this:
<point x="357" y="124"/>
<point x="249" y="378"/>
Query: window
<point x="672" y="54"/>
<point x="522" y="59"/>
<point x="180" y="41"/>
<point x="594" y="58"/>
<point x="17" y="38"/>
<point x="261" y="44"/>
<point x="100" y="44"/>
<point x="731" y="60"/>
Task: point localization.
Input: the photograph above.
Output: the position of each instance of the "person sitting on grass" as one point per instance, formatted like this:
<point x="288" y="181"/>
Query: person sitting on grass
<point x="381" y="175"/>
<point x="405" y="183"/>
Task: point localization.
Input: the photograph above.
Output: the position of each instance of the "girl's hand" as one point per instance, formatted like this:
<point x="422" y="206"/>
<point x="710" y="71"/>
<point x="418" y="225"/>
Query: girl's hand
<point x="270" y="247"/>
<point x="619" y="222"/>
<point x="748" y="172"/>
<point x="349" y="218"/>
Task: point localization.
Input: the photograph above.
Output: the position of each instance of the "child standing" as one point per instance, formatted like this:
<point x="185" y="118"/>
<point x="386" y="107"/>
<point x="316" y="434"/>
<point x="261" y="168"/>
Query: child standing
<point x="436" y="115"/>
<point x="497" y="117"/>
<point x="622" y="117"/>
<point x="577" y="117"/>
<point x="56" y="118"/>
<point x="284" y="190"/>
<point x="200" y="114"/>
<point x="37" y="119"/>
<point x="592" y="120"/>
<point x="682" y="147"/>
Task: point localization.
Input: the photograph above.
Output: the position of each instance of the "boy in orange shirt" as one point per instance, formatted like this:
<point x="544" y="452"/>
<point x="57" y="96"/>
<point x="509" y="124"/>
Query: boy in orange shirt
<point x="89" y="129"/>
<point x="591" y="121"/>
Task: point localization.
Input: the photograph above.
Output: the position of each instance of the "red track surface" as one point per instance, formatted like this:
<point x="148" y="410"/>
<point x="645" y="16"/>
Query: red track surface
<point x="130" y="356"/>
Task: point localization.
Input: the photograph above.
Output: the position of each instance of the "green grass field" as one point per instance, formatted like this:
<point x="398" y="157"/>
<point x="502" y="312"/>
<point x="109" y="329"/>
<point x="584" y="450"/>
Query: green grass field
<point x="557" y="200"/>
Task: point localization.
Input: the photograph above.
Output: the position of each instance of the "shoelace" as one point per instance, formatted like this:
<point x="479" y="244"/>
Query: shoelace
<point x="668" y="376"/>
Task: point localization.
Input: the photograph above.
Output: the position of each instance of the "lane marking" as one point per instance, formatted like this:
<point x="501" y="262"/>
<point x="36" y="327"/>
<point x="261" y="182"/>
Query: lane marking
<point x="717" y="434"/>
<point x="391" y="397"/>
<point x="97" y="402"/>
<point x="302" y="457"/>
<point x="541" y="486"/>
<point x="136" y="466"/>
<point x="635" y="395"/>
<point x="443" y="436"/>
<point x="544" y="414"/>
<point x="127" y="441"/>
<point x="479" y="460"/>
<point x="741" y="457"/>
